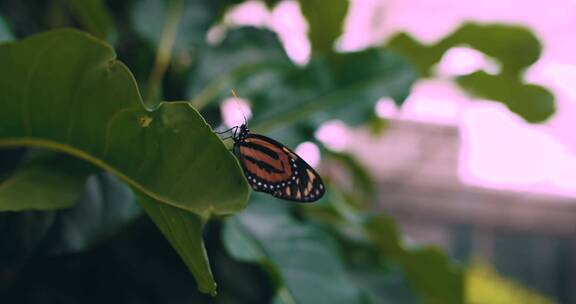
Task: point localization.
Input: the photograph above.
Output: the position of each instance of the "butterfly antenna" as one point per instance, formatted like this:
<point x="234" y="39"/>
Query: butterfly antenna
<point x="238" y="104"/>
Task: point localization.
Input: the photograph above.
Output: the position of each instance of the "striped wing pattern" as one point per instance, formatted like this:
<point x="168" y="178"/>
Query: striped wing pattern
<point x="273" y="168"/>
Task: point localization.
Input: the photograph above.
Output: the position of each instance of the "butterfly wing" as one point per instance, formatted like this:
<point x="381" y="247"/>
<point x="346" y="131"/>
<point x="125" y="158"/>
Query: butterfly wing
<point x="273" y="168"/>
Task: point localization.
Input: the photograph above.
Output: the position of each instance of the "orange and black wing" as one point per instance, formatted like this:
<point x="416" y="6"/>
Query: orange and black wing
<point x="273" y="168"/>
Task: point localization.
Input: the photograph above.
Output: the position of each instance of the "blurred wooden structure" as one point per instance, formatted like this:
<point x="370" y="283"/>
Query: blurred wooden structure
<point x="528" y="237"/>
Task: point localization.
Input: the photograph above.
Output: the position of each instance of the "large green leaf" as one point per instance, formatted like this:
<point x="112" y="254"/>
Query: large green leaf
<point x="325" y="22"/>
<point x="514" y="47"/>
<point x="303" y="257"/>
<point x="63" y="90"/>
<point x="48" y="182"/>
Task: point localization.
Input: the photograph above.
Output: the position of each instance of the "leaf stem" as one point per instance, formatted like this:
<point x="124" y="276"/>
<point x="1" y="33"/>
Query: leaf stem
<point x="33" y="142"/>
<point x="164" y="53"/>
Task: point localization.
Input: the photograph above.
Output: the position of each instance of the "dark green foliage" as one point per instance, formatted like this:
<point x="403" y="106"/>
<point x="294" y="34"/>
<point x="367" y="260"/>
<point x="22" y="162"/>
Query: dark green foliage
<point x="304" y="259"/>
<point x="75" y="239"/>
<point x="103" y="206"/>
<point x="46" y="181"/>
<point x="102" y="120"/>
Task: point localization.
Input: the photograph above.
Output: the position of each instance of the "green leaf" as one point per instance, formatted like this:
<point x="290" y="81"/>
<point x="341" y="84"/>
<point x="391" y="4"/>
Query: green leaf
<point x="93" y="17"/>
<point x="303" y="257"/>
<point x="421" y="56"/>
<point x="534" y="103"/>
<point x="104" y="206"/>
<point x="383" y="284"/>
<point x="79" y="100"/>
<point x="514" y="47"/>
<point x="184" y="232"/>
<point x="64" y="90"/>
<point x="428" y="270"/>
<point x="49" y="182"/>
<point x="325" y="21"/>
<point x="371" y="239"/>
<point x="243" y="53"/>
<point x="345" y="88"/>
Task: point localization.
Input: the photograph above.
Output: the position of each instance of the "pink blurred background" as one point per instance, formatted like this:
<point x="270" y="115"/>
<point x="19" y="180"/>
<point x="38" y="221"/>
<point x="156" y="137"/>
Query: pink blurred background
<point x="497" y="148"/>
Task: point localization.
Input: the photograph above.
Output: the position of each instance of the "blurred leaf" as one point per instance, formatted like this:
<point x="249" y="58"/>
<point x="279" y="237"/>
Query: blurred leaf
<point x="382" y="286"/>
<point x="51" y="182"/>
<point x="78" y="99"/>
<point x="254" y="286"/>
<point x="184" y="232"/>
<point x="377" y="125"/>
<point x="421" y="56"/>
<point x="325" y="22"/>
<point x="103" y="208"/>
<point x="428" y="270"/>
<point x="378" y="72"/>
<point x="197" y="16"/>
<point x="93" y="16"/>
<point x="253" y="62"/>
<point x="271" y="3"/>
<point x="534" y="103"/>
<point x="303" y="257"/>
<point x="244" y="52"/>
<point x="346" y="89"/>
<point x="514" y="47"/>
<point x="5" y="33"/>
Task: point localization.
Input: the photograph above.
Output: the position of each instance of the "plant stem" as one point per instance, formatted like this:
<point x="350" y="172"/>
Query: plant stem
<point x="164" y="53"/>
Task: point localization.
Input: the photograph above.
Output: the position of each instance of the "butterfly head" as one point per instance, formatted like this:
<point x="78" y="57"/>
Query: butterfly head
<point x="241" y="132"/>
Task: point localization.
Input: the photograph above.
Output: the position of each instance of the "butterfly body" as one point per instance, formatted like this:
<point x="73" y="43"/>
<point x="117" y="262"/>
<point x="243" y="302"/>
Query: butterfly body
<point x="273" y="168"/>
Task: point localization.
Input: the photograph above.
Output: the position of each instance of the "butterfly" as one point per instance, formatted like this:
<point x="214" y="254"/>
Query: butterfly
<point x="273" y="168"/>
